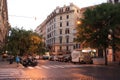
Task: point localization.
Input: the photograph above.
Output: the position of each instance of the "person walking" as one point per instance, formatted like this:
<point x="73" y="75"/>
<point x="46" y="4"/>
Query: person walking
<point x="17" y="60"/>
<point x="11" y="58"/>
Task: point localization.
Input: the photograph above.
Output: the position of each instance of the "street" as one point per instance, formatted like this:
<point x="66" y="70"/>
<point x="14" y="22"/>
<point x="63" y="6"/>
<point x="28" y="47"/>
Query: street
<point x="54" y="70"/>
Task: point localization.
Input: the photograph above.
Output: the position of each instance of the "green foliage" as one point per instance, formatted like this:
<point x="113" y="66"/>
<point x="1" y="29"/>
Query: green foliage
<point x="23" y="42"/>
<point x="96" y="24"/>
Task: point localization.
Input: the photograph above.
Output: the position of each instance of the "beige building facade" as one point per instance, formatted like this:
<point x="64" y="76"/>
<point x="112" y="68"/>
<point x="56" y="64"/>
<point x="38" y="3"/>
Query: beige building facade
<point x="59" y="29"/>
<point x="4" y="25"/>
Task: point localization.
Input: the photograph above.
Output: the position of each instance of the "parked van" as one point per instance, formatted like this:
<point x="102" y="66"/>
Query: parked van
<point x="81" y="56"/>
<point x="75" y="55"/>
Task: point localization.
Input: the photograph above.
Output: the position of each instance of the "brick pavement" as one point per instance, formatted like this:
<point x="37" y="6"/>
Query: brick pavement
<point x="5" y="64"/>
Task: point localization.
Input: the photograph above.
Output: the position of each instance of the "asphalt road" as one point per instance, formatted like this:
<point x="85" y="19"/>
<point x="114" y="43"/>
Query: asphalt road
<point x="54" y="70"/>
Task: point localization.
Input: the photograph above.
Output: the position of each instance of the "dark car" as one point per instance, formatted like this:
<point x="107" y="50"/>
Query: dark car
<point x="53" y="58"/>
<point x="45" y="57"/>
<point x="67" y="58"/>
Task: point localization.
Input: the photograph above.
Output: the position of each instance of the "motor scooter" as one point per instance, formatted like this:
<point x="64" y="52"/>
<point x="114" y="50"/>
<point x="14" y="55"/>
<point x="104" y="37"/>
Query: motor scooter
<point x="29" y="62"/>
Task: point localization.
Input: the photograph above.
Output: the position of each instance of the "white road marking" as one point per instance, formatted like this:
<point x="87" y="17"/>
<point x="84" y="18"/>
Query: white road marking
<point x="31" y="67"/>
<point x="45" y="67"/>
<point x="11" y="73"/>
<point x="57" y="66"/>
<point x="60" y="66"/>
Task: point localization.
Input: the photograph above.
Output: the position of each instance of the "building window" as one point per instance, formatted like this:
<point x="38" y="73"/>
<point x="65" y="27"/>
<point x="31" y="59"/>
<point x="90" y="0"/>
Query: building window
<point x="54" y="19"/>
<point x="60" y="48"/>
<point x="50" y="34"/>
<point x="54" y="32"/>
<point x="61" y="10"/>
<point x="54" y="39"/>
<point x="74" y="47"/>
<point x="67" y="31"/>
<point x="47" y="36"/>
<point x="60" y="24"/>
<point x="60" y="39"/>
<point x="68" y="8"/>
<point x="67" y="39"/>
<point x="54" y="25"/>
<point x="67" y="48"/>
<point x="67" y="16"/>
<point x="77" y="11"/>
<point x="60" y="17"/>
<point x="60" y="31"/>
<point x="67" y="23"/>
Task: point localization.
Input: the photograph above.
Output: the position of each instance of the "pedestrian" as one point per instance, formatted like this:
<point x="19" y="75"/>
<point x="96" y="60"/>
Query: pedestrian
<point x="17" y="60"/>
<point x="11" y="59"/>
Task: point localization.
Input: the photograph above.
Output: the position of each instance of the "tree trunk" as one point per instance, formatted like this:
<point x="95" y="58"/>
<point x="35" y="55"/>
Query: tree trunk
<point x="114" y="52"/>
<point x="106" y="62"/>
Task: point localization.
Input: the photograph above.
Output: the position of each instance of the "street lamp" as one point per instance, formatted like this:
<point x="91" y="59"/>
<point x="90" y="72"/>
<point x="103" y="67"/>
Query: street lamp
<point x="78" y="22"/>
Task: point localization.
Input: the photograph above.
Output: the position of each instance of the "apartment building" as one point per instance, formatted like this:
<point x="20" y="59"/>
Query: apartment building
<point x="59" y="29"/>
<point x="113" y="1"/>
<point x="41" y="30"/>
<point x="4" y="25"/>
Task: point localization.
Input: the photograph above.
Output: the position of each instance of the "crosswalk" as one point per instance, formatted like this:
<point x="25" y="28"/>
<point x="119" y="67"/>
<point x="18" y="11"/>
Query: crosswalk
<point x="56" y="66"/>
<point x="19" y="73"/>
<point x="11" y="73"/>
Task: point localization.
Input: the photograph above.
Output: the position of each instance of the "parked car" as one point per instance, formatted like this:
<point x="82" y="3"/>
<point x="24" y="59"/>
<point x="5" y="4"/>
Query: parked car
<point x="53" y="58"/>
<point x="67" y="58"/>
<point x="45" y="57"/>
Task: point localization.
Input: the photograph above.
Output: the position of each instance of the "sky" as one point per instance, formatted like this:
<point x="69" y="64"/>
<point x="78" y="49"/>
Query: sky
<point x="28" y="14"/>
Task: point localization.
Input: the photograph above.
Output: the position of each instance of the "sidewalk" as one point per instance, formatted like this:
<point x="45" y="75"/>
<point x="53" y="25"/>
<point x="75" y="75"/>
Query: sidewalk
<point x="5" y="64"/>
<point x="113" y="64"/>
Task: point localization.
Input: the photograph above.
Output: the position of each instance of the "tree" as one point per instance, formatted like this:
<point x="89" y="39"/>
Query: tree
<point x="23" y="42"/>
<point x="96" y="24"/>
<point x="35" y="43"/>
